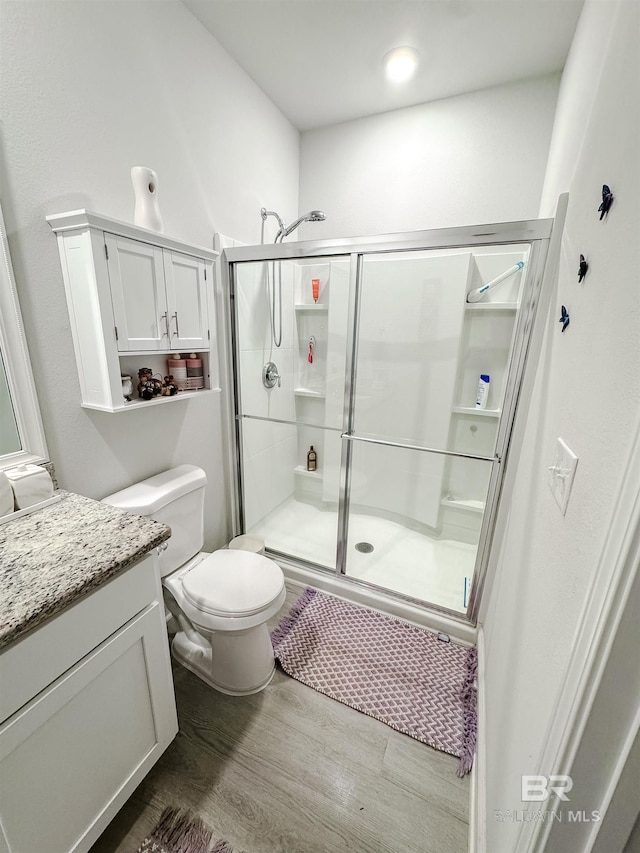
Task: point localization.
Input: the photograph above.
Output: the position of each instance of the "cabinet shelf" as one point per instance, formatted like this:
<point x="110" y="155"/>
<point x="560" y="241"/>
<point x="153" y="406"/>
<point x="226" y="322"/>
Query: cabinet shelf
<point x="491" y="306"/>
<point x="307" y="392"/>
<point x="156" y="401"/>
<point x="471" y="410"/>
<point x="468" y="506"/>
<point x="312" y="306"/>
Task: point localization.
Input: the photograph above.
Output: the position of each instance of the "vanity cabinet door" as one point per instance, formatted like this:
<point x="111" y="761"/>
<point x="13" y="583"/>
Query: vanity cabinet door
<point x="138" y="295"/>
<point x="71" y="757"/>
<point x="186" y="283"/>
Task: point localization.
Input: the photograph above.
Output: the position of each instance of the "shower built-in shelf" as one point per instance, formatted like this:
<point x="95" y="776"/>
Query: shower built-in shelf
<point x="491" y="306"/>
<point x="302" y="471"/>
<point x="471" y="410"/>
<point x="468" y="506"/>
<point x="311" y="306"/>
<point x="307" y="392"/>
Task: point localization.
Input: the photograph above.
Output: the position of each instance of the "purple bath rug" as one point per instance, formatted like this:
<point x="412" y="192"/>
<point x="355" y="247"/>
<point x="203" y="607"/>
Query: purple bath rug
<point x="398" y="673"/>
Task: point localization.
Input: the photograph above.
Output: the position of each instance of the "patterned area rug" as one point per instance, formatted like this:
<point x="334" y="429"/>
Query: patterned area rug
<point x="400" y="674"/>
<point x="180" y="833"/>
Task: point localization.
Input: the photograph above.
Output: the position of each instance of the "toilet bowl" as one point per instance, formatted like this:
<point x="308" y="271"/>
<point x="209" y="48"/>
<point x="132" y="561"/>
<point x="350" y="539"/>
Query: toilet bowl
<point x="222" y="601"/>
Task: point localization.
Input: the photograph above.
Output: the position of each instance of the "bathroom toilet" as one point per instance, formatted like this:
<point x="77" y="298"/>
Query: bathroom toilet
<point x="221" y="602"/>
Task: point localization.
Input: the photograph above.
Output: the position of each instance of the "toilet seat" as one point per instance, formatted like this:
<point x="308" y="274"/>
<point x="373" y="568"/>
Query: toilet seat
<point x="228" y="590"/>
<point x="233" y="583"/>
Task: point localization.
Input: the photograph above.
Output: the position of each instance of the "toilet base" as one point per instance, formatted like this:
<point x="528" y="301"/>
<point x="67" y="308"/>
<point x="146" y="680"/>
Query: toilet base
<point x="229" y="671"/>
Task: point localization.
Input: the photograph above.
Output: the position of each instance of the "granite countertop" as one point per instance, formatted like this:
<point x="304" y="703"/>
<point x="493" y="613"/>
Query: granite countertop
<point x="61" y="552"/>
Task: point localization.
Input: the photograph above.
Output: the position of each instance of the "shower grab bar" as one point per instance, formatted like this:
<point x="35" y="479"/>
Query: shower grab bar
<point x="350" y="437"/>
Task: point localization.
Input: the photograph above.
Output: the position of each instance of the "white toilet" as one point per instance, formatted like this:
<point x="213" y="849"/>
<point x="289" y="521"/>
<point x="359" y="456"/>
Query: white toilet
<point x="221" y="601"/>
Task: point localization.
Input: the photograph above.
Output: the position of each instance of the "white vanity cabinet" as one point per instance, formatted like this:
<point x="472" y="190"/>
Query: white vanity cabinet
<point x="131" y="292"/>
<point x="88" y="708"/>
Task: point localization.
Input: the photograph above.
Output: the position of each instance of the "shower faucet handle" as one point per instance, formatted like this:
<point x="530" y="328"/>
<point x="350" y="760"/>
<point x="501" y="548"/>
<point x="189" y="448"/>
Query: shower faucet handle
<point x="270" y="375"/>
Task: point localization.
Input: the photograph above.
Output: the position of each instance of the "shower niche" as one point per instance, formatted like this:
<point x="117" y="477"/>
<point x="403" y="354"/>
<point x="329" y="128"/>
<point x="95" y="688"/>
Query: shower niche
<point x="379" y="374"/>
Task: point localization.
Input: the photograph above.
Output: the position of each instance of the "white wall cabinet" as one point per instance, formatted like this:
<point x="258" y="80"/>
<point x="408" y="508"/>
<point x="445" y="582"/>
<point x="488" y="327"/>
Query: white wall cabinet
<point x="72" y="755"/>
<point x="159" y="297"/>
<point x="131" y="291"/>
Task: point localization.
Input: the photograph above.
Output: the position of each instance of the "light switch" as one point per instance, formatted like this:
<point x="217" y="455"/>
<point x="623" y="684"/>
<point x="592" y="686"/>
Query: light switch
<point x="561" y="474"/>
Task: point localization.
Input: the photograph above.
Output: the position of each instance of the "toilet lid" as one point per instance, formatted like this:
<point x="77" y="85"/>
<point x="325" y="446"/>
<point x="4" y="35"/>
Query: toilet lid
<point x="233" y="583"/>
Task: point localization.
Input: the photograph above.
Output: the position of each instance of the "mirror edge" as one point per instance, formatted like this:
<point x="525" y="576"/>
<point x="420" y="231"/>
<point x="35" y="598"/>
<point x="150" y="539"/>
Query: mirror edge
<point x="15" y="354"/>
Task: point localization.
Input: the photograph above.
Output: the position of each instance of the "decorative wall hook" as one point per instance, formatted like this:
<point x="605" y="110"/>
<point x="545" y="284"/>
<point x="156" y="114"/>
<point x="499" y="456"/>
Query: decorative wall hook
<point x="564" y="318"/>
<point x="607" y="201"/>
<point x="582" y="269"/>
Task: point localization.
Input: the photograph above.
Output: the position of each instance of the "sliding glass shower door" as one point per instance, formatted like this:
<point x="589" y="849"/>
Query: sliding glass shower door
<point x="418" y="478"/>
<point x="289" y="399"/>
<point x="372" y="356"/>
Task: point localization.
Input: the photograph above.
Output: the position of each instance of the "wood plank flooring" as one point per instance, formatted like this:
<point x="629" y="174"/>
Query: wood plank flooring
<point x="289" y="770"/>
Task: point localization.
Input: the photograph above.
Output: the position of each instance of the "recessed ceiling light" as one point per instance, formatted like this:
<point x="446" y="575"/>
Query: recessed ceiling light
<point x="400" y="63"/>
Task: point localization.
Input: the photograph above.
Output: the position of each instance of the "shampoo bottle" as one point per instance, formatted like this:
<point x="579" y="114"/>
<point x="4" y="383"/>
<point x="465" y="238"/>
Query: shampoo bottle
<point x="483" y="391"/>
<point x="312" y="459"/>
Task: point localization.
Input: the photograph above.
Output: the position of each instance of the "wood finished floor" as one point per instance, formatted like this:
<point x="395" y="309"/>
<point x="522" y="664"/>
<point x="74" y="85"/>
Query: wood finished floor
<point x="289" y="770"/>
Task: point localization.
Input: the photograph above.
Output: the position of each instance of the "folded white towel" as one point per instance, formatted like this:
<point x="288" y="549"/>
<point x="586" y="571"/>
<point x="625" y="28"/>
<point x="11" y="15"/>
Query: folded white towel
<point x="6" y="495"/>
<point x="30" y="483"/>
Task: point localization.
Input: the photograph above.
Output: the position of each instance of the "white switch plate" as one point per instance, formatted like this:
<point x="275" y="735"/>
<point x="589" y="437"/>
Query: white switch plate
<point x="561" y="474"/>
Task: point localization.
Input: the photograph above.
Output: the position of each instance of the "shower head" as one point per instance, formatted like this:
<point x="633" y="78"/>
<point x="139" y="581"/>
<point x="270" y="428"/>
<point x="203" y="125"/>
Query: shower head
<point x="312" y="216"/>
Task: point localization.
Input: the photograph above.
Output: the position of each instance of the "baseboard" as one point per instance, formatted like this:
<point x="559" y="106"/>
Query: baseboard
<point x="477" y="794"/>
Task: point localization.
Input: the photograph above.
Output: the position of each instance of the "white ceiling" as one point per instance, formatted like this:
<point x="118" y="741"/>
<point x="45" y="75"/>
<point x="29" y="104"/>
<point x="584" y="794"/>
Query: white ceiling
<point x="320" y="60"/>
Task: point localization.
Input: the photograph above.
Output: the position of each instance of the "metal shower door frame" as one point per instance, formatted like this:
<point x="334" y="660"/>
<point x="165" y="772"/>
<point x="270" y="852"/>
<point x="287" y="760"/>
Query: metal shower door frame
<point x="534" y="232"/>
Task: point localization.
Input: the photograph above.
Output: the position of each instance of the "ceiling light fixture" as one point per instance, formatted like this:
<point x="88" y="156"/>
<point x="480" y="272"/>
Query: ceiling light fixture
<point x="400" y="63"/>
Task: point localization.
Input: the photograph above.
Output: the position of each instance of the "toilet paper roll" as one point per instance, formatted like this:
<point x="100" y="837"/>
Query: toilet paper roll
<point x="30" y="483"/>
<point x="6" y="495"/>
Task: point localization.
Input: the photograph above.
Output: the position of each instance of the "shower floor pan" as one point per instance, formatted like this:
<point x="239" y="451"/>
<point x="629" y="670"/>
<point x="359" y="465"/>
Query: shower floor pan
<point x="401" y="560"/>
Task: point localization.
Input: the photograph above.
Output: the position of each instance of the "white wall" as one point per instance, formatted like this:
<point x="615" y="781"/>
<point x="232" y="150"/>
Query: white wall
<point x="587" y="391"/>
<point x="87" y="91"/>
<point x="472" y="159"/>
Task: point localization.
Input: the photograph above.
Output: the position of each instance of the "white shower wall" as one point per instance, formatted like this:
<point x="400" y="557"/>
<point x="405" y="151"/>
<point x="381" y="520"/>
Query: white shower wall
<point x="411" y="316"/>
<point x="269" y="449"/>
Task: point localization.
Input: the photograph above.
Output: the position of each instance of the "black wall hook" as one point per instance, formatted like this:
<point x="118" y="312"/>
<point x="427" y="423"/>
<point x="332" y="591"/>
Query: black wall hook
<point x="607" y="201"/>
<point x="582" y="269"/>
<point x="564" y="318"/>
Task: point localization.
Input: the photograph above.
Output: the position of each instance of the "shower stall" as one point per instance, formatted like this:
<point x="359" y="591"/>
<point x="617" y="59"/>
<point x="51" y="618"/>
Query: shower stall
<point x="377" y="369"/>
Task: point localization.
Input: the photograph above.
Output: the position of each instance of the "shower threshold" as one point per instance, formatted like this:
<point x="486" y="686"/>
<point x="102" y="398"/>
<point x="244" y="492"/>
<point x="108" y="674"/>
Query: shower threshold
<point x="401" y="560"/>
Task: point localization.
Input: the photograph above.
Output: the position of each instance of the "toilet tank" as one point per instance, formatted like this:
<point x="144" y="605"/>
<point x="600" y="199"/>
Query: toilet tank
<point x="174" y="497"/>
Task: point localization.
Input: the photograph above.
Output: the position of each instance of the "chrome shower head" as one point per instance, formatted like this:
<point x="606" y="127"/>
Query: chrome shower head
<point x="312" y="216"/>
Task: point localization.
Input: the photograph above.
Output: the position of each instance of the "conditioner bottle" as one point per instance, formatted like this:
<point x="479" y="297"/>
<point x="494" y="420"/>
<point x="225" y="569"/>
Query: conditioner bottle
<point x="483" y="391"/>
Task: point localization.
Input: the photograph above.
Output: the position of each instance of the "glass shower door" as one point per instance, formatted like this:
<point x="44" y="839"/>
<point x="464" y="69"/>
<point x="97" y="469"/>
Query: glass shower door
<point x="370" y="352"/>
<point x="420" y="455"/>
<point x="290" y="341"/>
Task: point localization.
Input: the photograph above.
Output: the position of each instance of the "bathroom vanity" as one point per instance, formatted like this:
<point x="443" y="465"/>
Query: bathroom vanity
<point x="86" y="699"/>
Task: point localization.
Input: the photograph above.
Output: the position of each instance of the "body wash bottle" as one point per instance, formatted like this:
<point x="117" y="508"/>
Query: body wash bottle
<point x="483" y="391"/>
